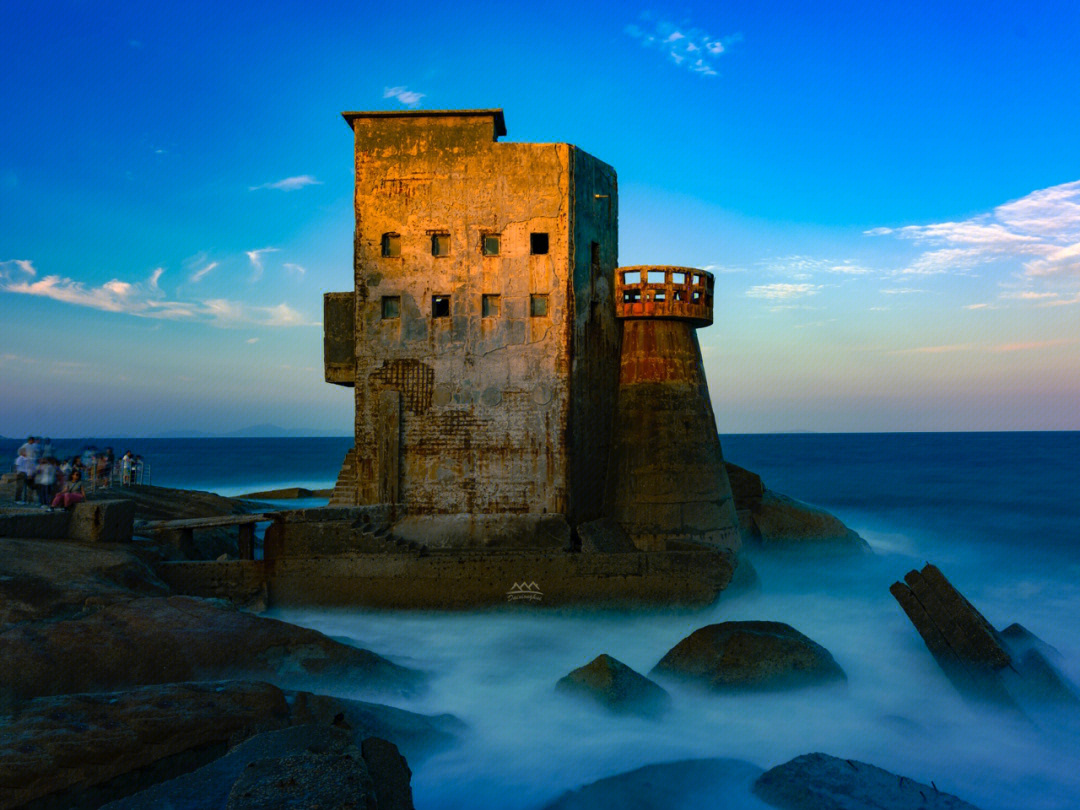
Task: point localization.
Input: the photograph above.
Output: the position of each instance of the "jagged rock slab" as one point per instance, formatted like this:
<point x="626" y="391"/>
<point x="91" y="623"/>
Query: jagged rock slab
<point x="44" y="580"/>
<point x="180" y="638"/>
<point x="823" y="782"/>
<point x="390" y="774"/>
<point x="614" y="685"/>
<point x="686" y="785"/>
<point x="88" y="748"/>
<point x="749" y="655"/>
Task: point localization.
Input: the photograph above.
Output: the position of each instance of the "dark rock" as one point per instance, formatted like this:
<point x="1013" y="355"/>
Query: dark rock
<point x="822" y="782"/>
<point x="746" y="487"/>
<point x="180" y="638"/>
<point x="785" y="522"/>
<point x="685" y="785"/>
<point x="390" y="774"/>
<point x="1034" y="677"/>
<point x="616" y="686"/>
<point x="749" y="655"/>
<point x="337" y="780"/>
<point x="85" y="749"/>
<point x="52" y="579"/>
<point x="604" y="536"/>
<point x="418" y="736"/>
<point x="963" y="643"/>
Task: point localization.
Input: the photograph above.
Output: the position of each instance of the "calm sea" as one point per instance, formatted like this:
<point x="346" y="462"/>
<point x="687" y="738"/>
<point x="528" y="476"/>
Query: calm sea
<point x="999" y="513"/>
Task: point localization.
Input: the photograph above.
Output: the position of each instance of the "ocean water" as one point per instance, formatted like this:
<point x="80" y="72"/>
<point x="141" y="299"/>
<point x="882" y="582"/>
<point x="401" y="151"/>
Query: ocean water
<point x="999" y="513"/>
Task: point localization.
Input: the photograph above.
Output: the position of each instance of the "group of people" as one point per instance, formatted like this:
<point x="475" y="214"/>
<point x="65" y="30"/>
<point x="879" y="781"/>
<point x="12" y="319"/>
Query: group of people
<point x="58" y="484"/>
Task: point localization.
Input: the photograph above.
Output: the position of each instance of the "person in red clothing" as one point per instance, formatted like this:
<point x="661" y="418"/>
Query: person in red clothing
<point x="72" y="492"/>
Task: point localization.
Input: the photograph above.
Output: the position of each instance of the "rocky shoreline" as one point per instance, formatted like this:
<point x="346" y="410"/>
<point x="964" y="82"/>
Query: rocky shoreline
<point x="117" y="692"/>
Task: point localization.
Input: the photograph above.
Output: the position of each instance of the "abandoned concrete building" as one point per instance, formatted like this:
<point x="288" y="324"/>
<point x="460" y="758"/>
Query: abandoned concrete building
<point x="513" y="386"/>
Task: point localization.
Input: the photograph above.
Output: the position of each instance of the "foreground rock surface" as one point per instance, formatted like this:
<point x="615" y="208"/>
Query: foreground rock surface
<point x="749" y="655"/>
<point x="822" y="782"/>
<point x="614" y="685"/>
<point x="172" y="743"/>
<point x="55" y="578"/>
<point x="773" y="520"/>
<point x="72" y="746"/>
<point x="686" y="785"/>
<point x="330" y="780"/>
<point x="181" y="638"/>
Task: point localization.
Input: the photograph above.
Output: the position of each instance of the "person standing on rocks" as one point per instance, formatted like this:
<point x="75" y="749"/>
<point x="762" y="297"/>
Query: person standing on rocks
<point x="24" y="475"/>
<point x="45" y="478"/>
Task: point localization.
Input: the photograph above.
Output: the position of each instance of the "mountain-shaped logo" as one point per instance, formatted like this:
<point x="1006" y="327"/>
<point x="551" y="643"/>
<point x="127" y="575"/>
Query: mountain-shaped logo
<point x="524" y="592"/>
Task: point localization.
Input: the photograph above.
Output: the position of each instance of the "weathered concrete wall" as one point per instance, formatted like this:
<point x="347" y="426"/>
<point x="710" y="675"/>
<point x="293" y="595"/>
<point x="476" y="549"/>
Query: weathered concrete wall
<point x="667" y="481"/>
<point x="102" y="521"/>
<point x="594" y="372"/>
<point x="240" y="581"/>
<point x="464" y="580"/>
<point x="484" y="400"/>
<point x="339" y="320"/>
<point x="496" y="403"/>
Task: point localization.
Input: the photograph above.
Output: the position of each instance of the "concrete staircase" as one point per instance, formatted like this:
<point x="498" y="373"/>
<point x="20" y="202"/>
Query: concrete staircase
<point x="344" y="493"/>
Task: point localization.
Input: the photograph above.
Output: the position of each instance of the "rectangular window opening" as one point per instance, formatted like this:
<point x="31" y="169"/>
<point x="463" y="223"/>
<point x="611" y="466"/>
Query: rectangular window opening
<point x="594" y="258"/>
<point x="538" y="306"/>
<point x="680" y="295"/>
<point x="697" y="278"/>
<point x="391" y="245"/>
<point x="632" y="277"/>
<point x="440" y="244"/>
<point x="631" y="296"/>
<point x="490" y="306"/>
<point x="660" y="296"/>
<point x="489" y="244"/>
<point x="538" y="244"/>
<point x="695" y="296"/>
<point x="657" y="277"/>
<point x="678" y="278"/>
<point x="391" y="307"/>
<point x="440" y="306"/>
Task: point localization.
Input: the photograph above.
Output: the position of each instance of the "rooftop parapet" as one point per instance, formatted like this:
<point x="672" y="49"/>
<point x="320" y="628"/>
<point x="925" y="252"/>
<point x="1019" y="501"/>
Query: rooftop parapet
<point x="674" y="293"/>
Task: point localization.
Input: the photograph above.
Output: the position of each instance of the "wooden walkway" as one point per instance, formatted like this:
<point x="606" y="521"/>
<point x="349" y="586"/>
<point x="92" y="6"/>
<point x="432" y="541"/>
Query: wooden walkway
<point x="184" y="530"/>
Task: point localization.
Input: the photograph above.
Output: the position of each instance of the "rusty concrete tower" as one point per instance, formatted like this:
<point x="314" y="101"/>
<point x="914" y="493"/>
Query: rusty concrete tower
<point x="667" y="485"/>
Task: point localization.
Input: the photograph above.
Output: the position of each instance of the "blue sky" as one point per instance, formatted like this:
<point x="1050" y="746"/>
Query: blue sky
<point x="889" y="195"/>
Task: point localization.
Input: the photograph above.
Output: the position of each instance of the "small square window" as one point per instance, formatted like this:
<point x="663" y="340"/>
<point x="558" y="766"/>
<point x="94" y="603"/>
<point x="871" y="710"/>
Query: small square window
<point x="440" y="244"/>
<point x="657" y="277"/>
<point x="697" y="278"/>
<point x="490" y="306"/>
<point x="440" y="306"/>
<point x="391" y="307"/>
<point x="678" y="278"/>
<point x="538" y="306"/>
<point x="695" y="296"/>
<point x="538" y="244"/>
<point x="660" y="296"/>
<point x="631" y="296"/>
<point x="489" y="244"/>
<point x="391" y="245"/>
<point x="632" y="277"/>
<point x="680" y="295"/>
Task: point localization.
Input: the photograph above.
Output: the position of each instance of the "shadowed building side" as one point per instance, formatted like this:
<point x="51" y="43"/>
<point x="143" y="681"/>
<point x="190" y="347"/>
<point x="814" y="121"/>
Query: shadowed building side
<point x="667" y="484"/>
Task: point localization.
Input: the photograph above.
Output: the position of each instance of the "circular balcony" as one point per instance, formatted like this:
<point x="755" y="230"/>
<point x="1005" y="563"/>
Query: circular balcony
<point x="674" y="293"/>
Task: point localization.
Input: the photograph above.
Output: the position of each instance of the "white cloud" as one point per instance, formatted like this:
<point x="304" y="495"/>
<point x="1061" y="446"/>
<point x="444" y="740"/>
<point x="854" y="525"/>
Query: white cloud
<point x="146" y="300"/>
<point x="410" y="98"/>
<point x="199" y="274"/>
<point x="901" y="291"/>
<point x="251" y="340"/>
<point x="782" y="291"/>
<point x="686" y="46"/>
<point x="255" y="257"/>
<point x="1029" y="295"/>
<point x="294" y="268"/>
<point x="978" y="306"/>
<point x="22" y="265"/>
<point x="289" y="183"/>
<point x="1041" y="230"/>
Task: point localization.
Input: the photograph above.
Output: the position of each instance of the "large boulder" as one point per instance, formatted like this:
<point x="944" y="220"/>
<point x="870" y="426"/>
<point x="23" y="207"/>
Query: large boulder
<point x="822" y="782"/>
<point x="84" y="749"/>
<point x="180" y="638"/>
<point x="772" y="520"/>
<point x="390" y="774"/>
<point x="686" y="785"/>
<point x="614" y="685"/>
<point x="749" y="655"/>
<point x="54" y="579"/>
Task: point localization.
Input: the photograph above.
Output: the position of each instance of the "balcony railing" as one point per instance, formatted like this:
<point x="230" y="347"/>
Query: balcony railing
<point x="682" y="293"/>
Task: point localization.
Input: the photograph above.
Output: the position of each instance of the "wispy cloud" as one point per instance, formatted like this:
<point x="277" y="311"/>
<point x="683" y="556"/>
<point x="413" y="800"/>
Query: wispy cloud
<point x="901" y="291"/>
<point x="146" y="300"/>
<point x="251" y="340"/>
<point x="683" y="44"/>
<point x="1040" y="230"/>
<point x="992" y="348"/>
<point x="199" y="274"/>
<point x="782" y="291"/>
<point x="255" y="257"/>
<point x="21" y="265"/>
<point x="410" y="98"/>
<point x="294" y="268"/>
<point x="289" y="183"/>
